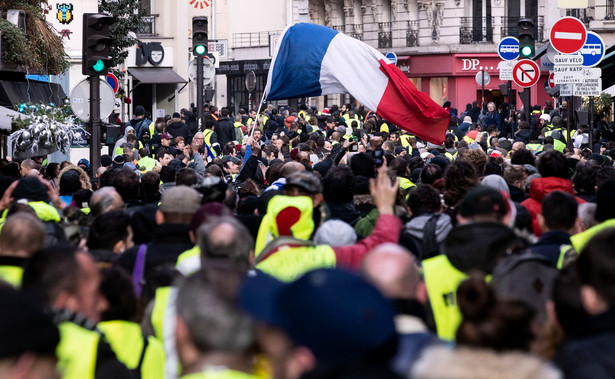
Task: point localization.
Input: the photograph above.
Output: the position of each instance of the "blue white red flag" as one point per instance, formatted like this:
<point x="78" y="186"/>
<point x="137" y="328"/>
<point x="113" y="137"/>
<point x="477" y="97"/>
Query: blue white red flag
<point x="313" y="60"/>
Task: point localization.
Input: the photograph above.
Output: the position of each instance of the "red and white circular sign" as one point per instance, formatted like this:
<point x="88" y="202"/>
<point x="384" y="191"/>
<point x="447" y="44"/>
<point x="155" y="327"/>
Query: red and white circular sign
<point x="526" y="73"/>
<point x="552" y="80"/>
<point x="568" y="35"/>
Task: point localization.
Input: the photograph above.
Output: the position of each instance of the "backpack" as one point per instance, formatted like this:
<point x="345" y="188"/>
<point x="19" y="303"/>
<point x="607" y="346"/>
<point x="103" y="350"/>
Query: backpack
<point x="238" y="135"/>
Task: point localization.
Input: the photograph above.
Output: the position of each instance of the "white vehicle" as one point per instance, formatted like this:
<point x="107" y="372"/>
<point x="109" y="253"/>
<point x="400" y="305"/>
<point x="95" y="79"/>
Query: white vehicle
<point x="510" y="49"/>
<point x="592" y="49"/>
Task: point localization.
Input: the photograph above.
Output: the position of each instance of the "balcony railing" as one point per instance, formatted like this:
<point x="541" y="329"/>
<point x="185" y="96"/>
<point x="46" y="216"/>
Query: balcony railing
<point x="509" y="27"/>
<point x="255" y="39"/>
<point x="610" y="10"/>
<point x="385" y="40"/>
<point x="384" y="26"/>
<point x="412" y="34"/>
<point x="476" y="30"/>
<point x="148" y="29"/>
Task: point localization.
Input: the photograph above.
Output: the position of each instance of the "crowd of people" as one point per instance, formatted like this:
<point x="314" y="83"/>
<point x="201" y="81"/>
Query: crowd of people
<point x="298" y="243"/>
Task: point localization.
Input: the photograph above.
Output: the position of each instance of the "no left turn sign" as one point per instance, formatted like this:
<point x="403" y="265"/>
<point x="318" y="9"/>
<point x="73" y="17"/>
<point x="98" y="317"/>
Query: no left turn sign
<point x="526" y="73"/>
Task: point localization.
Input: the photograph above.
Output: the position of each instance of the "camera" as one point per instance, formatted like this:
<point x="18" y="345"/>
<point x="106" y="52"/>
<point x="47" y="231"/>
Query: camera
<point x="378" y="157"/>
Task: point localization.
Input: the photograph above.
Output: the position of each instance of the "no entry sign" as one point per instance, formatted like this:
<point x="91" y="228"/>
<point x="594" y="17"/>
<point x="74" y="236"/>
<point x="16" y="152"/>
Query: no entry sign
<point x="568" y="35"/>
<point x="113" y="82"/>
<point x="551" y="80"/>
<point x="526" y="73"/>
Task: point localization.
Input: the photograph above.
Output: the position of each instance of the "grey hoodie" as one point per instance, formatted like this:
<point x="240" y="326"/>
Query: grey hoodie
<point x="122" y="140"/>
<point x="416" y="227"/>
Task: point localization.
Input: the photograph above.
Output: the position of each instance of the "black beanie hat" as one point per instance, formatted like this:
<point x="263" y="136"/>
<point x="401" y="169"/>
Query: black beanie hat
<point x="30" y="188"/>
<point x="70" y="182"/>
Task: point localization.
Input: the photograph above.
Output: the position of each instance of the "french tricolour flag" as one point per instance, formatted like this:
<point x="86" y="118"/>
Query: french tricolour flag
<point x="313" y="60"/>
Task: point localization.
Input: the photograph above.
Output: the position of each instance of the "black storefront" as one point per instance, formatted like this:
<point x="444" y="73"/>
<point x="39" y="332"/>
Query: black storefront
<point x="237" y="93"/>
<point x="236" y="73"/>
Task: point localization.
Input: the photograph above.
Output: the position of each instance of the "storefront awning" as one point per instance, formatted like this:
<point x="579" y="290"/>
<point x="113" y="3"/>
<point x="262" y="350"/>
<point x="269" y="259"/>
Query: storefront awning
<point x="607" y="64"/>
<point x="6" y="119"/>
<point x="155" y="75"/>
<point x="14" y="93"/>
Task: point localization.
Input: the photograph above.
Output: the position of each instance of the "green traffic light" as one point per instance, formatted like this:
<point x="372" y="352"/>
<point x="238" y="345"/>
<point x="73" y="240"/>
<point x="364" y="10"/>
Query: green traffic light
<point x="200" y="49"/>
<point x="526" y="51"/>
<point x="99" y="66"/>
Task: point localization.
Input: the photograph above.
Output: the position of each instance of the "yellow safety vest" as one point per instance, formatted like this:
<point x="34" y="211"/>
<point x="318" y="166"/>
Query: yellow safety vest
<point x="45" y="211"/>
<point x="566" y="254"/>
<point x="189" y="261"/>
<point x="534" y="147"/>
<point x="160" y="303"/>
<point x="405" y="142"/>
<point x="289" y="263"/>
<point x="12" y="275"/>
<point x="127" y="341"/>
<point x="579" y="240"/>
<point x="238" y="125"/>
<point x="442" y="280"/>
<point x="219" y="374"/>
<point x="163" y="322"/>
<point x="207" y="133"/>
<point x="302" y="229"/>
<point x="77" y="351"/>
<point x="120" y="149"/>
<point x="147" y="164"/>
<point x="405" y="184"/>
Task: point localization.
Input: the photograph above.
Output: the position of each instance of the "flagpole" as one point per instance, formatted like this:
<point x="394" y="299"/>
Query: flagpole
<point x="257" y="112"/>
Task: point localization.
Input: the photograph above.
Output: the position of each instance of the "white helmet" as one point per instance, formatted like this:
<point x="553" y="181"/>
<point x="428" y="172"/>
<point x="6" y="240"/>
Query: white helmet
<point x="545" y="117"/>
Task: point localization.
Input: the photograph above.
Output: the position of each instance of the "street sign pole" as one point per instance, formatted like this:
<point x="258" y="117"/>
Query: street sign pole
<point x="528" y="111"/>
<point x="94" y="124"/>
<point x="483" y="89"/>
<point x="591" y="122"/>
<point x="569" y="123"/>
<point x="199" y="92"/>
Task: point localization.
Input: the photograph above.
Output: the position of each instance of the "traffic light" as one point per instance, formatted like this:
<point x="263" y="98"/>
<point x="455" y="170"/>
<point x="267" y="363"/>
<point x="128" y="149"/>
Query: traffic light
<point x="504" y="88"/>
<point x="96" y="44"/>
<point x="199" y="36"/>
<point x="527" y="44"/>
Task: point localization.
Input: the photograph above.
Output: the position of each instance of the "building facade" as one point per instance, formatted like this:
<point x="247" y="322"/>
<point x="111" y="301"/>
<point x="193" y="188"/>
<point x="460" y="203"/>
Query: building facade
<point x="441" y="45"/>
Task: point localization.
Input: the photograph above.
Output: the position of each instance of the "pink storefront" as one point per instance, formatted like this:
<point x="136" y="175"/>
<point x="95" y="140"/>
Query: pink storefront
<point x="452" y="77"/>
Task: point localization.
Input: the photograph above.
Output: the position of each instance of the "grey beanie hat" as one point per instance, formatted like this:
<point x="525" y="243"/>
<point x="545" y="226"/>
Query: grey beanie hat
<point x="335" y="233"/>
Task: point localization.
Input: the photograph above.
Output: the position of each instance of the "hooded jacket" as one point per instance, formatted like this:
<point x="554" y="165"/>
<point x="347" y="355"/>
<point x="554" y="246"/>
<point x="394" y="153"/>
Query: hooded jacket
<point x="122" y="140"/>
<point x="540" y="188"/>
<point x="440" y="226"/>
<point x="480" y="245"/>
<point x="177" y="128"/>
<point x="467" y="363"/>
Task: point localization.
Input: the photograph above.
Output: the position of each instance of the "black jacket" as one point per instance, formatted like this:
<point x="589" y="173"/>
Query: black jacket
<point x="225" y="131"/>
<point x="170" y="240"/>
<point x="177" y="128"/>
<point x="549" y="245"/>
<point x="590" y="351"/>
<point x="480" y="245"/>
<point x="474" y="113"/>
<point x="516" y="194"/>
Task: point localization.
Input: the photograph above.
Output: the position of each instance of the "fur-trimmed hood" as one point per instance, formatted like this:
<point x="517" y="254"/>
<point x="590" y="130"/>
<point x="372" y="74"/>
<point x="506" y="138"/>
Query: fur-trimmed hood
<point x="466" y="363"/>
<point x="174" y="120"/>
<point x="82" y="175"/>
